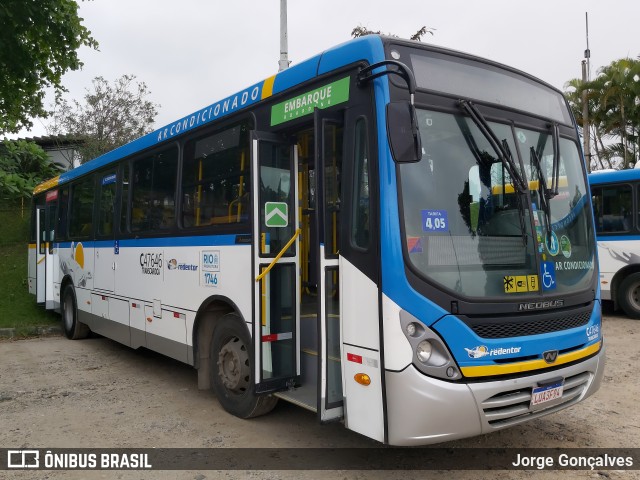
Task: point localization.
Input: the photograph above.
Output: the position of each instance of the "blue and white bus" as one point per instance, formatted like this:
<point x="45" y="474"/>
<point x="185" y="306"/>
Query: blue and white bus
<point x="390" y="234"/>
<point x="615" y="199"/>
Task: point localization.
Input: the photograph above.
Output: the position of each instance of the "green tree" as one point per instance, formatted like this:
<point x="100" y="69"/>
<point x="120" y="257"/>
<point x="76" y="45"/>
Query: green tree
<point x="614" y="112"/>
<point x="23" y="165"/>
<point x="39" y="40"/>
<point x="111" y="115"/>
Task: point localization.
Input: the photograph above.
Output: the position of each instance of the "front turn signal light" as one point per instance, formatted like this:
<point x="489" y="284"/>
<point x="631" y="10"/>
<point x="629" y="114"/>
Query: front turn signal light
<point x="362" y="379"/>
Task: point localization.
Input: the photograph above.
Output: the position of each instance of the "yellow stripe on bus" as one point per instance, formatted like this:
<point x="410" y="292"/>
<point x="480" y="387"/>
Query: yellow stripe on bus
<point x="53" y="182"/>
<point x="267" y="87"/>
<point x="491" y="370"/>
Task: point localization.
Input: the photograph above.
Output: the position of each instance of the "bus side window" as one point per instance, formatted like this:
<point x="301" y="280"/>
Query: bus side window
<point x="63" y="210"/>
<point x="153" y="191"/>
<point x="124" y="200"/>
<point x="81" y="209"/>
<point x="215" y="178"/>
<point x="612" y="209"/>
<point x="360" y="236"/>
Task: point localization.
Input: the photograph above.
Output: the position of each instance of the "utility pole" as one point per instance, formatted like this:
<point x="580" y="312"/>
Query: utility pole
<point x="284" y="54"/>
<point x="586" y="134"/>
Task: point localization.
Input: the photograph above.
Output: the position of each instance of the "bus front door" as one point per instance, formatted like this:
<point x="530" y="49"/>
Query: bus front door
<point x="328" y="154"/>
<point x="276" y="252"/>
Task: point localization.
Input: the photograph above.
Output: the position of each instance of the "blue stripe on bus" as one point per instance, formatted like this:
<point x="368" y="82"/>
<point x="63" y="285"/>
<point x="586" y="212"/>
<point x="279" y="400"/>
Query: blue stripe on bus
<point x="618" y="238"/>
<point x="192" y="241"/>
<point x="598" y="178"/>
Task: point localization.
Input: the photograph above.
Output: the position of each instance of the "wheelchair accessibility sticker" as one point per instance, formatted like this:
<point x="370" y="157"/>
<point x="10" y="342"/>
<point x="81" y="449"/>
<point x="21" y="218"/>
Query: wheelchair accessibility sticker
<point x="548" y="276"/>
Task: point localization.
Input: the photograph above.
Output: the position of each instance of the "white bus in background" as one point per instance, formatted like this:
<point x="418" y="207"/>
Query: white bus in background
<point x="615" y="198"/>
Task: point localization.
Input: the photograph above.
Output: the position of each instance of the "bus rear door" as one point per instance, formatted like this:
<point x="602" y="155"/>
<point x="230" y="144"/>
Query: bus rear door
<point x="50" y="252"/>
<point x="41" y="249"/>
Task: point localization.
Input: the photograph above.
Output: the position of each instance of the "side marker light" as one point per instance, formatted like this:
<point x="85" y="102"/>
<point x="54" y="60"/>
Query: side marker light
<point x="362" y="379"/>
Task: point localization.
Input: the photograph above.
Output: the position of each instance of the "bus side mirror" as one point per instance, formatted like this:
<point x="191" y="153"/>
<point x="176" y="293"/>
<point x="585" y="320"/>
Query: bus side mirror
<point x="402" y="130"/>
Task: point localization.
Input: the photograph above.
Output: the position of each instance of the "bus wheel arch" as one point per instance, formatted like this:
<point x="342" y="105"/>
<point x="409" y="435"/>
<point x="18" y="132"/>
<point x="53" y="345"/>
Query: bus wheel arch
<point x="211" y="310"/>
<point x="73" y="328"/>
<point x="207" y="316"/>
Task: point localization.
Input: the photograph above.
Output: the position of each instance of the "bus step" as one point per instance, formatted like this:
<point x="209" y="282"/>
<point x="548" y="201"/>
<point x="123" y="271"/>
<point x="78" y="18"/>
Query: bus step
<point x="304" y="396"/>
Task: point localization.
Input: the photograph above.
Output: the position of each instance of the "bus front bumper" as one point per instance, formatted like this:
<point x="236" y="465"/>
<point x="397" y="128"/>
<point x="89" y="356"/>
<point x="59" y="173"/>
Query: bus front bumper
<point x="423" y="410"/>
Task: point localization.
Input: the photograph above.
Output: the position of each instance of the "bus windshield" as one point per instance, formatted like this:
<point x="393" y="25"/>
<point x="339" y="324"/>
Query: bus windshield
<point x="469" y="230"/>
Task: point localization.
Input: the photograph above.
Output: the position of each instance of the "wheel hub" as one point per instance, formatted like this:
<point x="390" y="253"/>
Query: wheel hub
<point x="233" y="365"/>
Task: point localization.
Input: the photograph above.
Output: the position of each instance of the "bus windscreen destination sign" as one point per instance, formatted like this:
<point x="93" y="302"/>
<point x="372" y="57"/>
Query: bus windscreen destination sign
<point x="324" y="97"/>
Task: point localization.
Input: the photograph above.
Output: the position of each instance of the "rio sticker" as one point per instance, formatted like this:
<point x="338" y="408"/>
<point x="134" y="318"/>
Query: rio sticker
<point x="210" y="268"/>
<point x="435" y="221"/>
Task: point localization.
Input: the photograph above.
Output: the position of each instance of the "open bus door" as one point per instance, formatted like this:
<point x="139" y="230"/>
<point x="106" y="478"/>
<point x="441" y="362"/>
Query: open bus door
<point x="328" y="155"/>
<point x="46" y="256"/>
<point x="276" y="263"/>
<point x="41" y="249"/>
<point x="50" y="252"/>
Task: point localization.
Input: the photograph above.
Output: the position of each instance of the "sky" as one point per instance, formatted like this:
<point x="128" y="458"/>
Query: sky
<point x="191" y="53"/>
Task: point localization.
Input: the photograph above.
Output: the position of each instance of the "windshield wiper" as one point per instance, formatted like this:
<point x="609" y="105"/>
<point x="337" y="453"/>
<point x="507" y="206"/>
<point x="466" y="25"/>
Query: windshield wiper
<point x="505" y="157"/>
<point x="544" y="193"/>
<point x="523" y="227"/>
<point x="555" y="170"/>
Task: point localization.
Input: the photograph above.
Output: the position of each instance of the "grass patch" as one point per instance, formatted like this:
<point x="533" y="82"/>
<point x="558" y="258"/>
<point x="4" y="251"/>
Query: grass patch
<point x="18" y="308"/>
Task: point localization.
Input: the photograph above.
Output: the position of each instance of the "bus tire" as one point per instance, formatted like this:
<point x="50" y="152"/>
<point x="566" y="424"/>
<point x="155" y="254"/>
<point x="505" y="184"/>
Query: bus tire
<point x="73" y="328"/>
<point x="232" y="370"/>
<point x="629" y="295"/>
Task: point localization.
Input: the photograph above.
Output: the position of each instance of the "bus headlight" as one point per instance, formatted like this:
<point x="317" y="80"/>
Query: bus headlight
<point x="430" y="354"/>
<point x="423" y="351"/>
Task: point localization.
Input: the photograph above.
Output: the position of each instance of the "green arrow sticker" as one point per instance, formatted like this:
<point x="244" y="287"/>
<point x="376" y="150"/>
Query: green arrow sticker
<point x="276" y="214"/>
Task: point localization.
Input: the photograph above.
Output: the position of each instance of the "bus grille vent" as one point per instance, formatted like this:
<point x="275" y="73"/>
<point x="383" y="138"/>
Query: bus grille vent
<point x="534" y="327"/>
<point x="510" y="408"/>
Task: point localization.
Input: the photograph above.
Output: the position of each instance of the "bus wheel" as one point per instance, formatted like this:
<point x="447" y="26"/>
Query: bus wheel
<point x="73" y="329"/>
<point x="629" y="296"/>
<point x="232" y="370"/>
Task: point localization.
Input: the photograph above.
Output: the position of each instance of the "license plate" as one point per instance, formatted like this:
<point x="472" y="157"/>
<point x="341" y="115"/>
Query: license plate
<point x="546" y="393"/>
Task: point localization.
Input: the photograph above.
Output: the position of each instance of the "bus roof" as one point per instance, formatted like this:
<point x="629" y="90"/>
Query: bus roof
<point x="614" y="176"/>
<point x="368" y="48"/>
